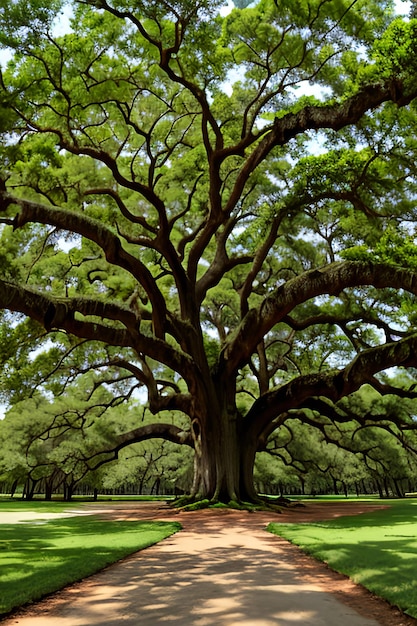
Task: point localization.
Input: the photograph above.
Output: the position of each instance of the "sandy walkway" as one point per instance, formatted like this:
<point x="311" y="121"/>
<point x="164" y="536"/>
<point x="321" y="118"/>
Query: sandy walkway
<point x="223" y="569"/>
<point x="37" y="517"/>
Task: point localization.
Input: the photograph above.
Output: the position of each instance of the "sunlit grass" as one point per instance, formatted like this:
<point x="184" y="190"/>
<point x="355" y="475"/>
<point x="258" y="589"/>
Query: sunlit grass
<point x="37" y="558"/>
<point x="378" y="550"/>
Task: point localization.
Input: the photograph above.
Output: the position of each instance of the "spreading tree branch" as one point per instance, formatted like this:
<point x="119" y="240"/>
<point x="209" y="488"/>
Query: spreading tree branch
<point x="329" y="280"/>
<point x="94" y="231"/>
<point x="169" y="432"/>
<point x="333" y="385"/>
<point x="60" y="313"/>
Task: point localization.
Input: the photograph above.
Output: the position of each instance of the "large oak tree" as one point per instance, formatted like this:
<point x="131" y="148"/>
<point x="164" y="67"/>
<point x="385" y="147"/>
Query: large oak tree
<point x="182" y="217"/>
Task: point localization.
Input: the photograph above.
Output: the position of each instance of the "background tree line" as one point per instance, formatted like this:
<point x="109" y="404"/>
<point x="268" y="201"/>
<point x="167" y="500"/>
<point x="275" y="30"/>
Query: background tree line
<point x="42" y="441"/>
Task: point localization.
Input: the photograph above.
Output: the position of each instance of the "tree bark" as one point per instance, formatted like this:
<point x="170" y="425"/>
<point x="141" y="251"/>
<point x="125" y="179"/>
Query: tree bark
<point x="217" y="459"/>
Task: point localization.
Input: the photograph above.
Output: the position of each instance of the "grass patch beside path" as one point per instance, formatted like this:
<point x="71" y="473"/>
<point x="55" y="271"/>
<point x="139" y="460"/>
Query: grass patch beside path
<point x="40" y="558"/>
<point x="377" y="550"/>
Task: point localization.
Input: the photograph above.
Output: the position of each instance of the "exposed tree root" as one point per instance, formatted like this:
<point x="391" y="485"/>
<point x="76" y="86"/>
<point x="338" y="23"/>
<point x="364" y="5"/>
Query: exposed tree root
<point x="265" y="503"/>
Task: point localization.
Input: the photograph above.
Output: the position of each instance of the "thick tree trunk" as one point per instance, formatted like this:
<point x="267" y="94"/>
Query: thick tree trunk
<point x="216" y="461"/>
<point x="223" y="461"/>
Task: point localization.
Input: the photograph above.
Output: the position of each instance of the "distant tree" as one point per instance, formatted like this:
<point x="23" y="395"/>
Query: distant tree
<point x="272" y="476"/>
<point x="354" y="445"/>
<point x="44" y="443"/>
<point x="55" y="446"/>
<point x="23" y="456"/>
<point x="153" y="468"/>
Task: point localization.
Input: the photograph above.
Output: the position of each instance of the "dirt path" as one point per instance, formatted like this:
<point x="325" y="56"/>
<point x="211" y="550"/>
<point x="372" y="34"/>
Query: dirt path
<point x="223" y="569"/>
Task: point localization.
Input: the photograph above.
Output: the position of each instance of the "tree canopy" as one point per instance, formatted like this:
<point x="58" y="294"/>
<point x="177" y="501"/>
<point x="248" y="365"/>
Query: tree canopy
<point x="213" y="210"/>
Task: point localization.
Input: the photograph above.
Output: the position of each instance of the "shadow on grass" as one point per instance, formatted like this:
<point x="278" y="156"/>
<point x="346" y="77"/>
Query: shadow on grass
<point x="38" y="559"/>
<point x="376" y="549"/>
<point x="385" y="567"/>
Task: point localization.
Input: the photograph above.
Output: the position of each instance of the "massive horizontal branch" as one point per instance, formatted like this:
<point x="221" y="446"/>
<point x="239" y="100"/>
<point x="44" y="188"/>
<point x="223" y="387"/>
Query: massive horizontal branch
<point x="333" y="385"/>
<point x="329" y="280"/>
<point x="321" y="319"/>
<point x="168" y="432"/>
<point x="94" y="231"/>
<point x="346" y="322"/>
<point x="61" y="313"/>
<point x="312" y="117"/>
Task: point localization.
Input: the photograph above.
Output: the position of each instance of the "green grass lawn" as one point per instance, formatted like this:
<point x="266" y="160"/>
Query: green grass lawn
<point x="39" y="558"/>
<point x="377" y="550"/>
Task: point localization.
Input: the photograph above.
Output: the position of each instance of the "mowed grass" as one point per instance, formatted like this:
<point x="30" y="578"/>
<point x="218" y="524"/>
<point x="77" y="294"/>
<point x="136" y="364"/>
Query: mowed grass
<point x="37" y="558"/>
<point x="377" y="550"/>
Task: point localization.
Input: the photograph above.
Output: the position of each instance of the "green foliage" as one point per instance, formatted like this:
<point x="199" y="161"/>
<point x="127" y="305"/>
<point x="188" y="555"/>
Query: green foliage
<point x="396" y="247"/>
<point x="22" y="24"/>
<point x="61" y="441"/>
<point x="395" y="53"/>
<point x="356" y="444"/>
